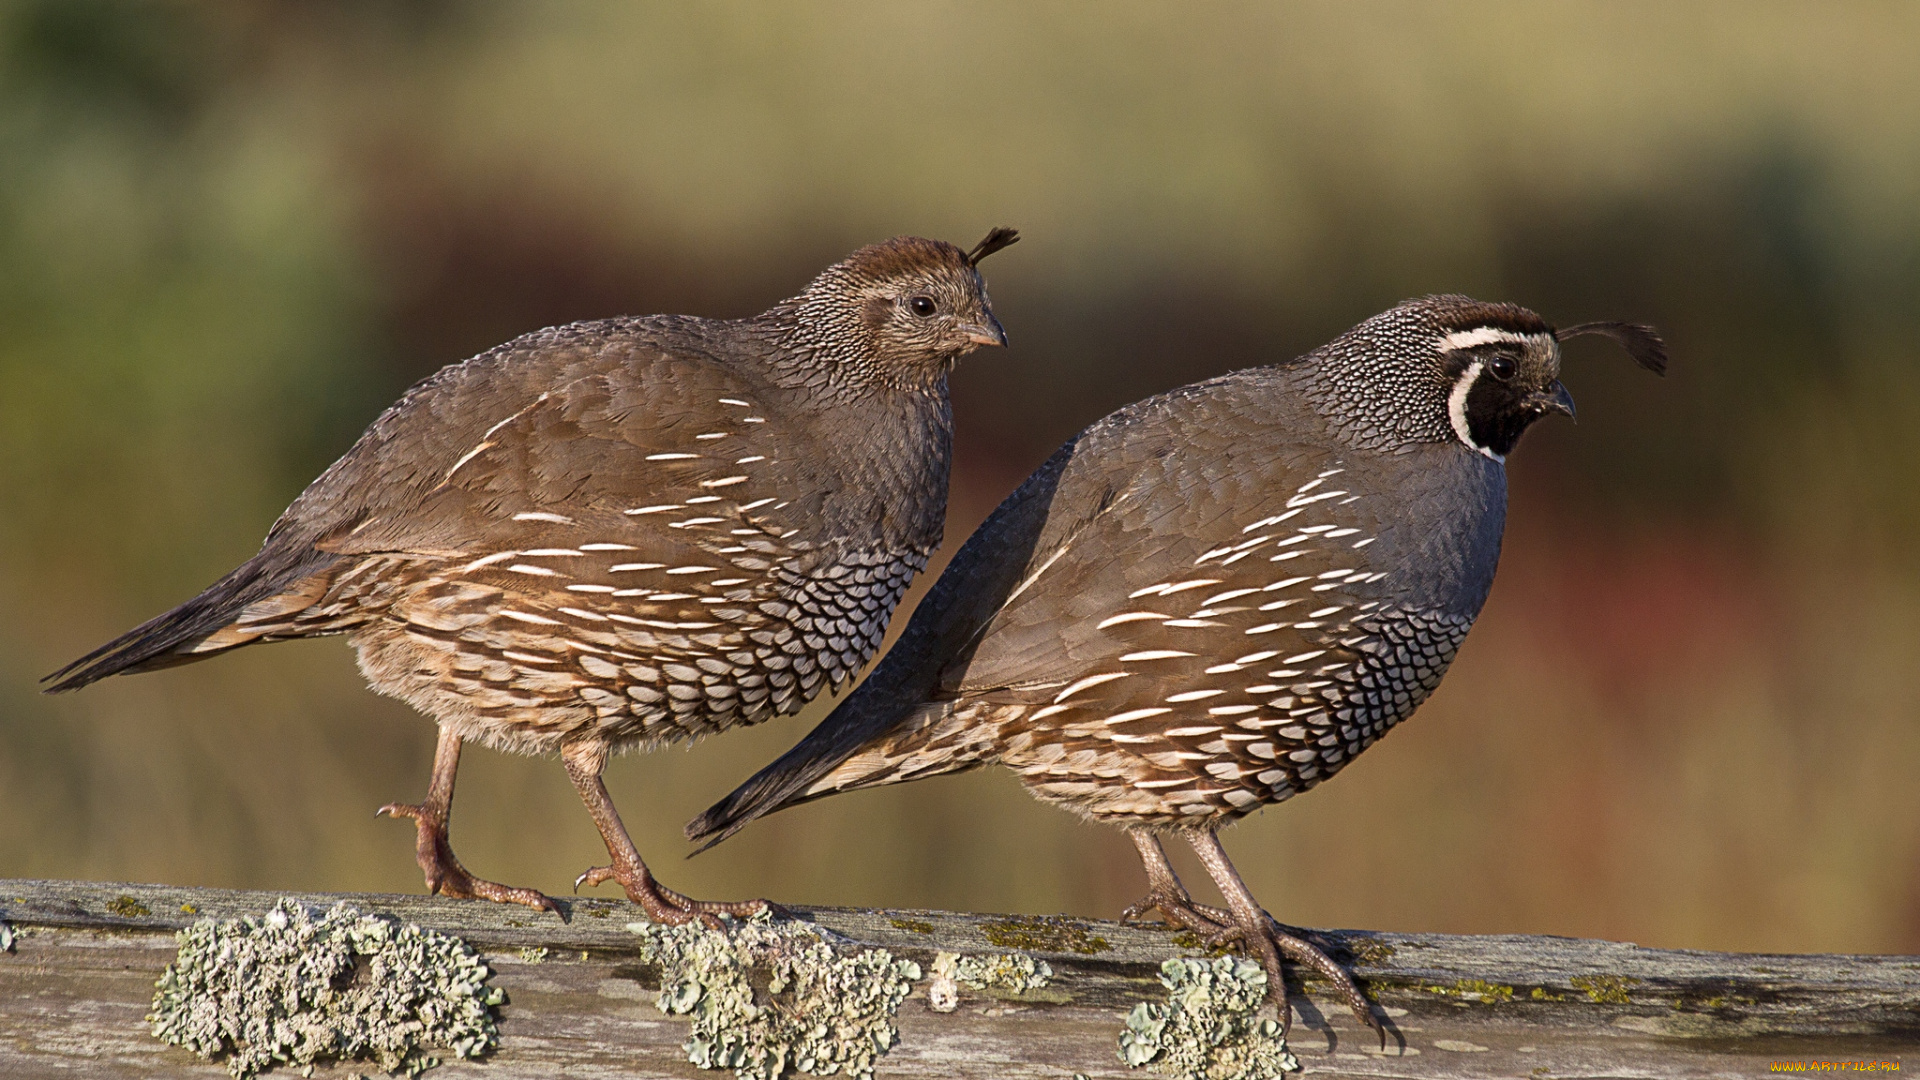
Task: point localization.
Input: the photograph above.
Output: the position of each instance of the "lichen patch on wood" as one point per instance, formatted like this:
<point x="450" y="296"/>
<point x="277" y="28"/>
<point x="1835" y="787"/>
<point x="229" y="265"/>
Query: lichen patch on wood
<point x="1210" y="1027"/>
<point x="1044" y="933"/>
<point x="1606" y="989"/>
<point x="821" y="1010"/>
<point x="1009" y="973"/>
<point x="1474" y="990"/>
<point x="299" y="987"/>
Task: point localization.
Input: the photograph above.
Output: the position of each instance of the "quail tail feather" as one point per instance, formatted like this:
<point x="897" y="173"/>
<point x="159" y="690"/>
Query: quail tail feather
<point x="807" y="771"/>
<point x="193" y="631"/>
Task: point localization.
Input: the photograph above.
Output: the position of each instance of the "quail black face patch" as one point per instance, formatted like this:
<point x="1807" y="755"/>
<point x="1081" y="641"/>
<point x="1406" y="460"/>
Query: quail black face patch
<point x="1503" y="379"/>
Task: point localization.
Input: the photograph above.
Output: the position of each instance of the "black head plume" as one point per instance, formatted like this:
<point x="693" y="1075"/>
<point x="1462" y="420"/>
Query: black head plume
<point x="1642" y="342"/>
<point x="1000" y="237"/>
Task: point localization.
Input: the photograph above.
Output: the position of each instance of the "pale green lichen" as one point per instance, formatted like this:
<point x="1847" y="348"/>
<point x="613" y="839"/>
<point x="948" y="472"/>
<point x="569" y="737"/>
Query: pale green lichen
<point x="1013" y="973"/>
<point x="297" y="987"/>
<point x="1210" y="1028"/>
<point x="1008" y="973"/>
<point x="819" y="1012"/>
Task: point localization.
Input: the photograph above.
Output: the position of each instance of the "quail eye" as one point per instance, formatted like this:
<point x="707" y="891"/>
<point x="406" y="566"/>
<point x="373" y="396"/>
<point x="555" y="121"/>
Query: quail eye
<point x="1501" y="367"/>
<point x="922" y="306"/>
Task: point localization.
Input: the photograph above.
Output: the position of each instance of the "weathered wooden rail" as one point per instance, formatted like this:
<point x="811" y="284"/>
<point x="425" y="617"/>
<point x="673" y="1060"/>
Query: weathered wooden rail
<point x="77" y="984"/>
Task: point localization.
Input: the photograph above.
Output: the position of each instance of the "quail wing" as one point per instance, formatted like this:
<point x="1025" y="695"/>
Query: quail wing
<point x="1210" y="631"/>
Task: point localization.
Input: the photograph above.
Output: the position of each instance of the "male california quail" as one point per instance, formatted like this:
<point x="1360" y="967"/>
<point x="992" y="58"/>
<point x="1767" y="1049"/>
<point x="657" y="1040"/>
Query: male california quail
<point x="622" y="533"/>
<point x="1213" y="599"/>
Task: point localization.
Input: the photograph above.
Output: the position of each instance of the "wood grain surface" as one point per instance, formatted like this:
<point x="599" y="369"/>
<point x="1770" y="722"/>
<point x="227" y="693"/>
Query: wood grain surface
<point x="75" y="990"/>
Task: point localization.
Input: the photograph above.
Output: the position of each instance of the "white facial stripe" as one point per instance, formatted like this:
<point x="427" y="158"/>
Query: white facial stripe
<point x="1457" y="407"/>
<point x="1481" y="335"/>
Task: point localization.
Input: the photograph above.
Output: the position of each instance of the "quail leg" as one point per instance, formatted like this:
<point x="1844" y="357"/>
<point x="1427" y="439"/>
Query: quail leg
<point x="1168" y="898"/>
<point x="1260" y="932"/>
<point x="584" y="762"/>
<point x="444" y="873"/>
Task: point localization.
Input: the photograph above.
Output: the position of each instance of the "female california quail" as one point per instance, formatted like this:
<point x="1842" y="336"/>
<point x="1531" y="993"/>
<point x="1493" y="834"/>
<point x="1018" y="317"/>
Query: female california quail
<point x="622" y="533"/>
<point x="1213" y="599"/>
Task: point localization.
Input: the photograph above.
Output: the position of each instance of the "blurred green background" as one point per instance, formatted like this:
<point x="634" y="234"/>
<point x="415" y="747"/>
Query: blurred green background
<point x="230" y="233"/>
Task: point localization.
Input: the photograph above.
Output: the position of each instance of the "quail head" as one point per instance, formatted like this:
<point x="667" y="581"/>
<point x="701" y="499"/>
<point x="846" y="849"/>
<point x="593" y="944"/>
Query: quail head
<point x="1214" y="599"/>
<point x="622" y="533"/>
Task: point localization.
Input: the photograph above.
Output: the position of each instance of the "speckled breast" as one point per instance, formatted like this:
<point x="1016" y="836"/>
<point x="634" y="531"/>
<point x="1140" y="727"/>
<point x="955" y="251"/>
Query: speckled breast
<point x="1251" y="670"/>
<point x="712" y="601"/>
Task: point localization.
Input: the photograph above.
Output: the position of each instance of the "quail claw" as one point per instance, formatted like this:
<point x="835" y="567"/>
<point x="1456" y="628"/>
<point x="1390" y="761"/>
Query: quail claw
<point x="663" y="905"/>
<point x="442" y="870"/>
<point x="1286" y="940"/>
<point x="1181" y="910"/>
<point x="593" y="876"/>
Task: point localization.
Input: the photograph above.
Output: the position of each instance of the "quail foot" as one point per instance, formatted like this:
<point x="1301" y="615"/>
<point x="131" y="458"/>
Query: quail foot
<point x="623" y="533"/>
<point x="1214" y="599"/>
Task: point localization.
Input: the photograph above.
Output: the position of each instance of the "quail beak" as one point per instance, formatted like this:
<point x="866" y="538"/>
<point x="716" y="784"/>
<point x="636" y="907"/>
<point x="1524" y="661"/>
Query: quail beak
<point x="989" y="334"/>
<point x="1554" y="399"/>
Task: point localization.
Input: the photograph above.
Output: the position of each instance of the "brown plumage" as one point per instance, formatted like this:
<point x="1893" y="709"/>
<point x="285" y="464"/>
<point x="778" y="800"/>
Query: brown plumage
<point x="622" y="533"/>
<point x="1214" y="599"/>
